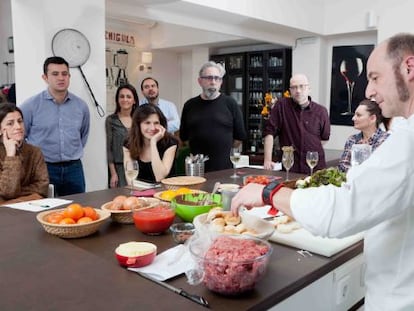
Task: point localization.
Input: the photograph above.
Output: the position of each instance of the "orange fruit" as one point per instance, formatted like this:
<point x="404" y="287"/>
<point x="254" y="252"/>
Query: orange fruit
<point x="54" y="217"/>
<point x="84" y="220"/>
<point x="90" y="212"/>
<point x="74" y="211"/>
<point x="67" y="221"/>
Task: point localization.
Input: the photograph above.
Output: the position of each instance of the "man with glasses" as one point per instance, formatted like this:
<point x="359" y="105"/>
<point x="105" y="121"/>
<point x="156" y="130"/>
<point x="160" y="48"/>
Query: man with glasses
<point x="212" y="122"/>
<point x="299" y="122"/>
<point x="57" y="121"/>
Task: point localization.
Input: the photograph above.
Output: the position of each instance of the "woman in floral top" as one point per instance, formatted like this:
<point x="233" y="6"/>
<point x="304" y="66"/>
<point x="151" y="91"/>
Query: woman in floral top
<point x="367" y="119"/>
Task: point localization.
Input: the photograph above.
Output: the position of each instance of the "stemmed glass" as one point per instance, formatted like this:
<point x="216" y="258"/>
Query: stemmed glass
<point x="234" y="158"/>
<point x="350" y="71"/>
<point x="287" y="160"/>
<point x="312" y="158"/>
<point x="131" y="171"/>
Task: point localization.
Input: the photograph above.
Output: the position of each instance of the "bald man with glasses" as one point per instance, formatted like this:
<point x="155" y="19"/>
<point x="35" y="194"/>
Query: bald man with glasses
<point x="212" y="123"/>
<point x="299" y="122"/>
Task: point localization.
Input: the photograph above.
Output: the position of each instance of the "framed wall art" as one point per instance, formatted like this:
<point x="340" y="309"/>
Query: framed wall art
<point x="348" y="81"/>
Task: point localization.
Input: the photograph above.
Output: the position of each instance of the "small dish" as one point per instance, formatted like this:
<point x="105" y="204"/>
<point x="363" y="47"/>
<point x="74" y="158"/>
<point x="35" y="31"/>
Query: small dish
<point x="260" y="179"/>
<point x="135" y="254"/>
<point x="228" y="187"/>
<point x="182" y="231"/>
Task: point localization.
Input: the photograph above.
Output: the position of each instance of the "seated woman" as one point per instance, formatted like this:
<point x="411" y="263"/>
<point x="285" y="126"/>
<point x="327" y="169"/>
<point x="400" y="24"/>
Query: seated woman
<point x="23" y="172"/>
<point x="367" y="119"/>
<point x="151" y="144"/>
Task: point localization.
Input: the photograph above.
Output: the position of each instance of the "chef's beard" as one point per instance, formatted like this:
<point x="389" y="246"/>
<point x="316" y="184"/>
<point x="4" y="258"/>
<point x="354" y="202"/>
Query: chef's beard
<point x="210" y="93"/>
<point x="402" y="88"/>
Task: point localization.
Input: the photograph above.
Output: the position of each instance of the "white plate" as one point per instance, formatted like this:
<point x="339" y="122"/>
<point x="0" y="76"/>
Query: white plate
<point x="263" y="228"/>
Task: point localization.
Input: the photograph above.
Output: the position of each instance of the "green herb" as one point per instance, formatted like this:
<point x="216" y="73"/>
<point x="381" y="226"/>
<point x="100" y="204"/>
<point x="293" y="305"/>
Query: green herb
<point x="326" y="176"/>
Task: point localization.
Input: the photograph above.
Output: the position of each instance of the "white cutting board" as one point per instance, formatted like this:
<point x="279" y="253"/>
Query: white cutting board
<point x="303" y="239"/>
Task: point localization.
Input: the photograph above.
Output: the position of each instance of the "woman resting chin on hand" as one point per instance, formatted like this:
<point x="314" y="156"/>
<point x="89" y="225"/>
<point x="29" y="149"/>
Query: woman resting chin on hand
<point x="150" y="144"/>
<point x="23" y="172"/>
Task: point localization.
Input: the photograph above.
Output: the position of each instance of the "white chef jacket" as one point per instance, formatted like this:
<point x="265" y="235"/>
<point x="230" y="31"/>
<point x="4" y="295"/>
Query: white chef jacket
<point x="378" y="198"/>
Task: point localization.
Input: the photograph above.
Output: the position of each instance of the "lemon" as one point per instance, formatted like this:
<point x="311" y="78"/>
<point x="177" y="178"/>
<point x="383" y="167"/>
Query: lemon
<point x="182" y="190"/>
<point x="168" y="195"/>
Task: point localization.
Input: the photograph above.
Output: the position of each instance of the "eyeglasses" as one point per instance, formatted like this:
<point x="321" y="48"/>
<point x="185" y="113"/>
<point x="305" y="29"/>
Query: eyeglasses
<point x="298" y="87"/>
<point x="211" y="78"/>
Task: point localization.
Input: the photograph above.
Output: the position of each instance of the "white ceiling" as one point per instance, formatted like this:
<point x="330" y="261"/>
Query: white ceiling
<point x="249" y="31"/>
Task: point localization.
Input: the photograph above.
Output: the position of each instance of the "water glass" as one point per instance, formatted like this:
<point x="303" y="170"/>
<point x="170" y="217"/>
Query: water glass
<point x="359" y="153"/>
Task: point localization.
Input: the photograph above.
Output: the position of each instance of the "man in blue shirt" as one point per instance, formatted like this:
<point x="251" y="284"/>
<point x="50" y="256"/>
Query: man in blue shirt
<point x="150" y="90"/>
<point x="57" y="121"/>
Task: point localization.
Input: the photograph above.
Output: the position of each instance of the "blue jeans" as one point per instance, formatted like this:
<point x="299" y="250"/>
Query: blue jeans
<point x="67" y="177"/>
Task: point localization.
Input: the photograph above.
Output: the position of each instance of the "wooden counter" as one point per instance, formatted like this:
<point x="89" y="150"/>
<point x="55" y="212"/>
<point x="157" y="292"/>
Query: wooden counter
<point x="43" y="272"/>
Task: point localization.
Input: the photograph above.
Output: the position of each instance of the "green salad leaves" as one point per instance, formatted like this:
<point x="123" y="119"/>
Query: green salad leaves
<point x="326" y="176"/>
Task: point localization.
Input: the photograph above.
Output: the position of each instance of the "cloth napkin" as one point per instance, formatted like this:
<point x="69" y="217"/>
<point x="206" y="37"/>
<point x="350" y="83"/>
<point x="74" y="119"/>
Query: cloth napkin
<point x="144" y="193"/>
<point x="141" y="185"/>
<point x="168" y="264"/>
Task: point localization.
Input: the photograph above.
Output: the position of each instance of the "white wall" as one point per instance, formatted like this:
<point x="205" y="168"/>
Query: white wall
<point x="44" y="18"/>
<point x="314" y="58"/>
<point x="6" y="75"/>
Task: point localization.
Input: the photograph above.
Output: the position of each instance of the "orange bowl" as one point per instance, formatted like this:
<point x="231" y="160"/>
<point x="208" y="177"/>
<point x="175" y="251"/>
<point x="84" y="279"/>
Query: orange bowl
<point x="135" y="254"/>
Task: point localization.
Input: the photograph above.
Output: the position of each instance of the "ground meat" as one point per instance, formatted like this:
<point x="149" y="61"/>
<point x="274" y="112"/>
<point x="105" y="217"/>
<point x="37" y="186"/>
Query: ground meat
<point x="230" y="267"/>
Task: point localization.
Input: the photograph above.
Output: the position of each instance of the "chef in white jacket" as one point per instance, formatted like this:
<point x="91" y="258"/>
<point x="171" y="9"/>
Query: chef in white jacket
<point x="378" y="197"/>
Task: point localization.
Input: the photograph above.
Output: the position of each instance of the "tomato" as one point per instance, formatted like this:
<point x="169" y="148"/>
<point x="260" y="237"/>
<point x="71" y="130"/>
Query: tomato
<point x="74" y="211"/>
<point x="258" y="179"/>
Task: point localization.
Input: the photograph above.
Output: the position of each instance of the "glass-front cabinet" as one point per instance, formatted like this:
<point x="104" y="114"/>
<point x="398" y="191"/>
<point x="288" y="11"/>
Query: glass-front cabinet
<point x="255" y="80"/>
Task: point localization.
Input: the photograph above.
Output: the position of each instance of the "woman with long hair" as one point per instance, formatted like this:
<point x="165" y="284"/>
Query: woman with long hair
<point x="23" y="171"/>
<point x="117" y="126"/>
<point x="150" y="144"/>
<point x="367" y="119"/>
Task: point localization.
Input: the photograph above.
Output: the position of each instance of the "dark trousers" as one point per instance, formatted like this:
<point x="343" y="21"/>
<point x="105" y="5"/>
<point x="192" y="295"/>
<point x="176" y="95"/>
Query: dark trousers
<point x="67" y="177"/>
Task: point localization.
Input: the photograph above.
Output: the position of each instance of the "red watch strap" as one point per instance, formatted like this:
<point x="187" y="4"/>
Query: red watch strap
<point x="273" y="210"/>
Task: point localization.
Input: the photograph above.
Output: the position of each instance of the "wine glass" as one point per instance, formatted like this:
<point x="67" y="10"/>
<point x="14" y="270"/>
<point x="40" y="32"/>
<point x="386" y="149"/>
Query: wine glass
<point x="234" y="158"/>
<point x="312" y="158"/>
<point x="350" y="70"/>
<point x="287" y="161"/>
<point x="131" y="171"/>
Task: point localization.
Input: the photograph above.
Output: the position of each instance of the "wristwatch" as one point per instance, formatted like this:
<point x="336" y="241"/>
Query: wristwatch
<point x="269" y="191"/>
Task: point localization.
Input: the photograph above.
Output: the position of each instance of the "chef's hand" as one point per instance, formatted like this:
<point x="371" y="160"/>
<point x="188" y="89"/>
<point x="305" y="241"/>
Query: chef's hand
<point x="160" y="134"/>
<point x="268" y="165"/>
<point x="249" y="196"/>
<point x="10" y="144"/>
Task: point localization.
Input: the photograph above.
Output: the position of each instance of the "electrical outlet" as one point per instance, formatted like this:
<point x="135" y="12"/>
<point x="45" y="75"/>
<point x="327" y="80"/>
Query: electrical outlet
<point x="342" y="289"/>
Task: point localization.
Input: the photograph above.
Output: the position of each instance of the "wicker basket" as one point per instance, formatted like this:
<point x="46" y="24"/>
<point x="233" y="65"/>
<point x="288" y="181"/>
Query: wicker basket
<point x="75" y="230"/>
<point x="192" y="182"/>
<point x="125" y="216"/>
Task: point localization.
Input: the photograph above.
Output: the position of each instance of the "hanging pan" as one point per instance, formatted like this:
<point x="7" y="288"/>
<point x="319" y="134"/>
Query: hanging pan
<point x="74" y="47"/>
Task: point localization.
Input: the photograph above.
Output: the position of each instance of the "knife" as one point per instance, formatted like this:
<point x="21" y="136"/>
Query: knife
<point x="197" y="299"/>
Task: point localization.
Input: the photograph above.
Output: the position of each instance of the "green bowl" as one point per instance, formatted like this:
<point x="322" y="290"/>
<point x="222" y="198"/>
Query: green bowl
<point x="188" y="206"/>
